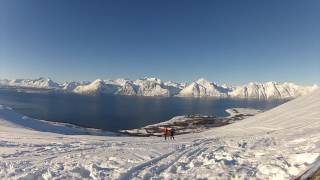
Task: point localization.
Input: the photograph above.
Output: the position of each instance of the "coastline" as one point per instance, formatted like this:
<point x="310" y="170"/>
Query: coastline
<point x="186" y="124"/>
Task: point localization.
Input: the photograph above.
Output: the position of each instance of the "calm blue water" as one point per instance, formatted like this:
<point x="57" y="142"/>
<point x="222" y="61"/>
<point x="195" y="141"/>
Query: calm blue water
<point x="117" y="112"/>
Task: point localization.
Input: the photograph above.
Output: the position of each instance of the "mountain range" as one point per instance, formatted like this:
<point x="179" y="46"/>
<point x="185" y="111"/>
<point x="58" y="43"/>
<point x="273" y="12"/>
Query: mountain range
<point x="156" y="87"/>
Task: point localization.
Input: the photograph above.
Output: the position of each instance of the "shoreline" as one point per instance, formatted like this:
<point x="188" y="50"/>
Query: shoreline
<point x="196" y="123"/>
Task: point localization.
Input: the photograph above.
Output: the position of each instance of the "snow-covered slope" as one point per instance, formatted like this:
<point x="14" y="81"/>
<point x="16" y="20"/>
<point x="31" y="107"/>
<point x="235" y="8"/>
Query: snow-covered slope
<point x="277" y="144"/>
<point x="155" y="87"/>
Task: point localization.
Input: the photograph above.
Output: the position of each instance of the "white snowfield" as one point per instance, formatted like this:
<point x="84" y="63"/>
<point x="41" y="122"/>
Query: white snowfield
<point x="278" y="144"/>
<point x="155" y="87"/>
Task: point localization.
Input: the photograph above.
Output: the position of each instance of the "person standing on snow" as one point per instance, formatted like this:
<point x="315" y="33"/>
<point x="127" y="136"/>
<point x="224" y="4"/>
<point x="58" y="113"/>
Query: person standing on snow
<point x="165" y="133"/>
<point x="172" y="132"/>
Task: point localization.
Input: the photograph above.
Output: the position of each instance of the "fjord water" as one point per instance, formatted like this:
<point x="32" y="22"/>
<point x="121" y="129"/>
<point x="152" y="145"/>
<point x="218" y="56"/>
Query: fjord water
<point x="114" y="113"/>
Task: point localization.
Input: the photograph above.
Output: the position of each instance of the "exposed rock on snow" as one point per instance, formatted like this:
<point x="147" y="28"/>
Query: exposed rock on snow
<point x="174" y="87"/>
<point x="151" y="87"/>
<point x="127" y="88"/>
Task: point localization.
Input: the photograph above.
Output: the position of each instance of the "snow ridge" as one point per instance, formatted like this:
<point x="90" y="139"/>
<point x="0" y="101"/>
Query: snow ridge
<point x="156" y="87"/>
<point x="41" y="83"/>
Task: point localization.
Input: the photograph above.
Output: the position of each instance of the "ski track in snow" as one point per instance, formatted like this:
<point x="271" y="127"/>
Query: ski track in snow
<point x="230" y="158"/>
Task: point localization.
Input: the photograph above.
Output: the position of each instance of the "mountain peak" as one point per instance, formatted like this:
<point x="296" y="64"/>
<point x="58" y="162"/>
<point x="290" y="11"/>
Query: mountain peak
<point x="202" y="80"/>
<point x="153" y="79"/>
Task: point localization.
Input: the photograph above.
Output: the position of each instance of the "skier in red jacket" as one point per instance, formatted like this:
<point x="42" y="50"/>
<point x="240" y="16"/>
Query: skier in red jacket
<point x="165" y="133"/>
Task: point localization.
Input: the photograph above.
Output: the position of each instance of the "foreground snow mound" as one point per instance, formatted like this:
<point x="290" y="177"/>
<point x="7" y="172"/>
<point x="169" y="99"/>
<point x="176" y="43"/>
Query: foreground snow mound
<point x="277" y="144"/>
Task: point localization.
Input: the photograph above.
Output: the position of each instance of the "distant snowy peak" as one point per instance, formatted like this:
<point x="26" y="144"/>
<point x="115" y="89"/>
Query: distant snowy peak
<point x="96" y="87"/>
<point x="43" y="83"/>
<point x="151" y="86"/>
<point x="271" y="90"/>
<point x="204" y="88"/>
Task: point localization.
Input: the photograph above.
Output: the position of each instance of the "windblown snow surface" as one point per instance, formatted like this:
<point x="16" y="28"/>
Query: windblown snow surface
<point x="277" y="144"/>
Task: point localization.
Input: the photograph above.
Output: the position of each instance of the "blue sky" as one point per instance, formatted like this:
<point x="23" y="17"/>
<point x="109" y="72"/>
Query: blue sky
<point x="223" y="41"/>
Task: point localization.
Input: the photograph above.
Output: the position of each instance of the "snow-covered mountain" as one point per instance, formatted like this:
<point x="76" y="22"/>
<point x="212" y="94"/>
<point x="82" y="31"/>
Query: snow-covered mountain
<point x="155" y="87"/>
<point x="41" y="83"/>
<point x="152" y="87"/>
<point x="96" y="87"/>
<point x="126" y="87"/>
<point x="202" y="88"/>
<point x="271" y="90"/>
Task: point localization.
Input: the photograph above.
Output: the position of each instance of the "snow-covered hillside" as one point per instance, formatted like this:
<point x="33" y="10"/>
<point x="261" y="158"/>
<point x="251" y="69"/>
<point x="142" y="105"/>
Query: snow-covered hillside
<point x="277" y="144"/>
<point x="155" y="87"/>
